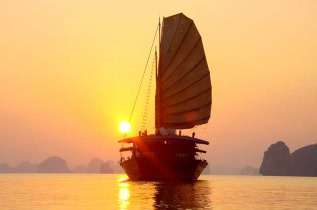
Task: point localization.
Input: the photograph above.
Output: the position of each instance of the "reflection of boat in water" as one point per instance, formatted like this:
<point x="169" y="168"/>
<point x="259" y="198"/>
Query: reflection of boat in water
<point x="182" y="195"/>
<point x="164" y="195"/>
<point x="182" y="101"/>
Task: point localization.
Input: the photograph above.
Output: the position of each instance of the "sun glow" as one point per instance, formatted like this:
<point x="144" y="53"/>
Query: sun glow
<point x="125" y="127"/>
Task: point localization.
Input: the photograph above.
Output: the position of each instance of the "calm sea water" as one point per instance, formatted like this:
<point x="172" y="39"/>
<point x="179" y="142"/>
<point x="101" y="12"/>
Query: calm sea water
<point x="84" y="191"/>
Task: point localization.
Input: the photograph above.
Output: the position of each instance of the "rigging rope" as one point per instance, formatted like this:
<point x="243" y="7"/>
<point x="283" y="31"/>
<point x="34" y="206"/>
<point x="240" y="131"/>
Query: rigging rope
<point x="137" y="95"/>
<point x="147" y="98"/>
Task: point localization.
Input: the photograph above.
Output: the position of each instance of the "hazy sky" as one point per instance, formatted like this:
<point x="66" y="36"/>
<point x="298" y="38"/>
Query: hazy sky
<point x="69" y="73"/>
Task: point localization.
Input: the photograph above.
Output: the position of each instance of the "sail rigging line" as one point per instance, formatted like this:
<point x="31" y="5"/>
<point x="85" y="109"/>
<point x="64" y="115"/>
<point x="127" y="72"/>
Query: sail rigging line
<point x="147" y="98"/>
<point x="143" y="75"/>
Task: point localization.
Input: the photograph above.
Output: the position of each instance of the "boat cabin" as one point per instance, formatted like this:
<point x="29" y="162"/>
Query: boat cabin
<point x="166" y="147"/>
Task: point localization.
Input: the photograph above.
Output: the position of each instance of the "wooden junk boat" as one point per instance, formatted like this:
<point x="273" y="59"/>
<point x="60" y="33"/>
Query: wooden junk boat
<point x="182" y="101"/>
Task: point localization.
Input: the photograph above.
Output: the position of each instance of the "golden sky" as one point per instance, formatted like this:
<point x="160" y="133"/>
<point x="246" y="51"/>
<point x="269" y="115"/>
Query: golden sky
<point x="69" y="73"/>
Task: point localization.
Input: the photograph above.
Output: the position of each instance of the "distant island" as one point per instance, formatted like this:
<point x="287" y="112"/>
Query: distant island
<point x="278" y="161"/>
<point x="56" y="164"/>
<point x="96" y="165"/>
<point x="53" y="165"/>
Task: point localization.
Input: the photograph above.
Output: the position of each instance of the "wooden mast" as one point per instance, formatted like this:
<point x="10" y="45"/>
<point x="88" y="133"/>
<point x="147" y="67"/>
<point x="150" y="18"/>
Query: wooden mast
<point x="157" y="97"/>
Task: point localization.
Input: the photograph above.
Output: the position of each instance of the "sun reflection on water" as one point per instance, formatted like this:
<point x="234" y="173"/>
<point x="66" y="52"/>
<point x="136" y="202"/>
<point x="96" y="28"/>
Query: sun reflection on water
<point x="124" y="192"/>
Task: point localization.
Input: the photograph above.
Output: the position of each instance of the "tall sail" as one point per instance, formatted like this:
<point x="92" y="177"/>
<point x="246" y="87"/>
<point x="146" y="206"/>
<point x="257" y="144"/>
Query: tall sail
<point x="183" y="91"/>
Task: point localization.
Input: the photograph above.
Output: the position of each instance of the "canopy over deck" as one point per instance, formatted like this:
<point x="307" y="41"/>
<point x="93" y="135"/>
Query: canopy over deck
<point x="174" y="138"/>
<point x="201" y="151"/>
<point x="126" y="149"/>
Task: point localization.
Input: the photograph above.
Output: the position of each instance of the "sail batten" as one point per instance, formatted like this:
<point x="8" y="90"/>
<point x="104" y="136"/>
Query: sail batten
<point x="182" y="125"/>
<point x="178" y="47"/>
<point x="169" y="47"/>
<point x="181" y="62"/>
<point x="188" y="110"/>
<point x="186" y="87"/>
<point x="184" y="75"/>
<point x="183" y="95"/>
<point x="187" y="99"/>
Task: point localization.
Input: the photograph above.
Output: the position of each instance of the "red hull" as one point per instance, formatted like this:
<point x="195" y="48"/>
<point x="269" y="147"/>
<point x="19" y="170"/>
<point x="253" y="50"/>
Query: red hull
<point x="153" y="169"/>
<point x="163" y="157"/>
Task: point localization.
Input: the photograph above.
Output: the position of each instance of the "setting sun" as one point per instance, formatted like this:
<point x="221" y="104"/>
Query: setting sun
<point x="125" y="127"/>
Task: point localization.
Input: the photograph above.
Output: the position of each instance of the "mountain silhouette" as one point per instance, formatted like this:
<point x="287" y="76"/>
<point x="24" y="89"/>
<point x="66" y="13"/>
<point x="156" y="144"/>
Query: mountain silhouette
<point x="278" y="161"/>
<point x="53" y="165"/>
<point x="94" y="165"/>
<point x="5" y="168"/>
<point x="26" y="167"/>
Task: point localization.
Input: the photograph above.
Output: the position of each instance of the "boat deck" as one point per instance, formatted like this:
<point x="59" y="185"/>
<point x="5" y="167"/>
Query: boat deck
<point x="175" y="138"/>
